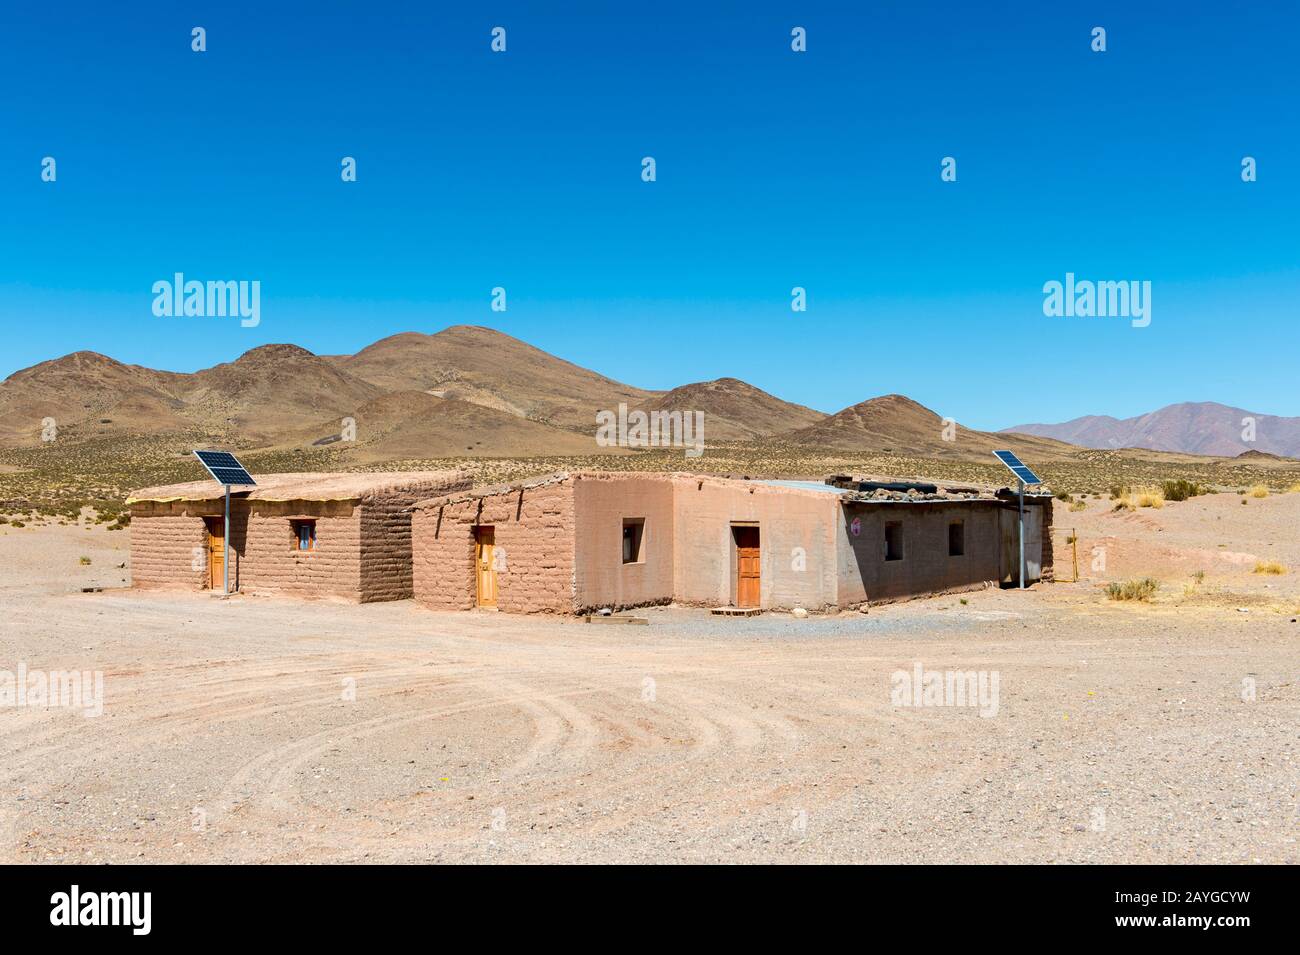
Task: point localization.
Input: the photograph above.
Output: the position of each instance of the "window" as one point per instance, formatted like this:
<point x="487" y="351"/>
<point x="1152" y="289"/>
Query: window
<point x="633" y="539"/>
<point x="893" y="540"/>
<point x="304" y="535"/>
<point x="956" y="539"/>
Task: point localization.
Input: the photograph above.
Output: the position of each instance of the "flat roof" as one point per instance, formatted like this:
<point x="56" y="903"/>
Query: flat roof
<point x="318" y="486"/>
<point x="804" y="486"/>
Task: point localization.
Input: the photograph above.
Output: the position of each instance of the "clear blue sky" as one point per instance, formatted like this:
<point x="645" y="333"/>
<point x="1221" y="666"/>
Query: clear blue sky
<point x="775" y="169"/>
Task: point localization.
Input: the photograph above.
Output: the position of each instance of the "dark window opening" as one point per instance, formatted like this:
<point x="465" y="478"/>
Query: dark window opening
<point x="304" y="535"/>
<point x="893" y="540"/>
<point x="633" y="540"/>
<point x="956" y="539"/>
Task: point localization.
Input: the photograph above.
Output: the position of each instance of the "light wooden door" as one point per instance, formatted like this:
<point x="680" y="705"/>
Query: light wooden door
<point x="748" y="582"/>
<point x="484" y="555"/>
<point x="216" y="552"/>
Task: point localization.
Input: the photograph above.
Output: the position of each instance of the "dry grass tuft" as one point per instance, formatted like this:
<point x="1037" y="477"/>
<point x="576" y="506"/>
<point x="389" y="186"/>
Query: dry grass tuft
<point x="1141" y="588"/>
<point x="1270" y="567"/>
<point x="1150" y="497"/>
<point x="1259" y="490"/>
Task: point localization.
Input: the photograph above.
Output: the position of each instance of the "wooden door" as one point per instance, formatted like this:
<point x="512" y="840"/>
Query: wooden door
<point x="748" y="583"/>
<point x="216" y="527"/>
<point x="484" y="554"/>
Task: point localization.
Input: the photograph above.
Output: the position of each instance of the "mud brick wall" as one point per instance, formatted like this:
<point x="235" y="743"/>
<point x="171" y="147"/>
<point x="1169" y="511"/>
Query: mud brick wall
<point x="169" y="545"/>
<point x="1049" y="555"/>
<point x="926" y="567"/>
<point x="270" y="562"/>
<point x="601" y="503"/>
<point x="168" y="541"/>
<point x="386" y="539"/>
<point x="796" y="543"/>
<point x="533" y="533"/>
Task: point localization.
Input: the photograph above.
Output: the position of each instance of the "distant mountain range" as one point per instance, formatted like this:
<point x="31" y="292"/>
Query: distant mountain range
<point x="1200" y="427"/>
<point x="464" y="391"/>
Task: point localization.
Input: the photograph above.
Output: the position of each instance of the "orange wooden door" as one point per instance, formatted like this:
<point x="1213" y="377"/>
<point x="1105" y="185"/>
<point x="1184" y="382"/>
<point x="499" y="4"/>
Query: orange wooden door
<point x="485" y="547"/>
<point x="748" y="583"/>
<point x="216" y="552"/>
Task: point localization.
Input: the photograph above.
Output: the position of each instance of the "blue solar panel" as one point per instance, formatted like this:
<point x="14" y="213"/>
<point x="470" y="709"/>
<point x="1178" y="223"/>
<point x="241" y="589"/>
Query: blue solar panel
<point x="225" y="468"/>
<point x="1017" y="467"/>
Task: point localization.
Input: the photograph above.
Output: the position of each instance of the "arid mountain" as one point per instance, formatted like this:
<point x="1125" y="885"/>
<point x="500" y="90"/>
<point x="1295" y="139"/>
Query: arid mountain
<point x="272" y="389"/>
<point x="87" y="393"/>
<point x="736" y="411"/>
<point x="413" y="424"/>
<point x="470" y="391"/>
<point x="490" y="368"/>
<point x="897" y="424"/>
<point x="1202" y="427"/>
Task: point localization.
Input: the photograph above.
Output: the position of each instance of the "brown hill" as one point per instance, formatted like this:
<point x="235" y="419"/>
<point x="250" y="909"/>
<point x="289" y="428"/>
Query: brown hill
<point x="413" y="424"/>
<point x="88" y="393"/>
<point x="490" y="368"/>
<point x="897" y="424"/>
<point x="735" y="410"/>
<point x="272" y="389"/>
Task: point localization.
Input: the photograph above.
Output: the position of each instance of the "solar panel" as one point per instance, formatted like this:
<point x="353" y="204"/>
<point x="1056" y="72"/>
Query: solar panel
<point x="1017" y="467"/>
<point x="224" y="467"/>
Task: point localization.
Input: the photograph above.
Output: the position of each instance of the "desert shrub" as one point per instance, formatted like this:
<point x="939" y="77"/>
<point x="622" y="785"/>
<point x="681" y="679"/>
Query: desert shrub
<point x="1294" y="488"/>
<point x="17" y="523"/>
<point x="1270" y="567"/>
<point x="1079" y="505"/>
<point x="1141" y="588"/>
<point x="1199" y="576"/>
<point x="85" y="561"/>
<point x="1180" y="490"/>
<point x="1259" y="490"/>
<point x="1063" y="496"/>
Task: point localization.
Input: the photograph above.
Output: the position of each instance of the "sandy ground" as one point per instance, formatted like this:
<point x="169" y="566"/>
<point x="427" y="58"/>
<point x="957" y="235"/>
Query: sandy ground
<point x="229" y="732"/>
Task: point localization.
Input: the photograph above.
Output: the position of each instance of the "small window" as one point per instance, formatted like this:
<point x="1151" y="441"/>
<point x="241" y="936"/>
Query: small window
<point x="956" y="538"/>
<point x="304" y="535"/>
<point x="633" y="539"/>
<point x="893" y="540"/>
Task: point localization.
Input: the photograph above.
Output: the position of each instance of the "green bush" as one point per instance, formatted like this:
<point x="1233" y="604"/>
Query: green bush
<point x="1181" y="490"/>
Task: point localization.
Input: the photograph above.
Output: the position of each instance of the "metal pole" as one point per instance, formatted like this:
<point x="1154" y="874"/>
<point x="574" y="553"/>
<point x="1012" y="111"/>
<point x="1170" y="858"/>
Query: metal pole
<point x="225" y="563"/>
<point x="1022" y="533"/>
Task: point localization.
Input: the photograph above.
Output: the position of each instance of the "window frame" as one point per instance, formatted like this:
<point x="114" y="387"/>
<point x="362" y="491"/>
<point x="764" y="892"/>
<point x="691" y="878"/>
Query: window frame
<point x="637" y="526"/>
<point x="298" y="525"/>
<point x="900" y="548"/>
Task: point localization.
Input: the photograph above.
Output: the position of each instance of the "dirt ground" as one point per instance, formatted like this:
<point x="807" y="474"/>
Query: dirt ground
<point x="270" y="730"/>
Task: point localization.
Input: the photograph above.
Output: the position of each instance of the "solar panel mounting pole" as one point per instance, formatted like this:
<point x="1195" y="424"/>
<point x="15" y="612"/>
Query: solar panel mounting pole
<point x="225" y="559"/>
<point x="1022" y="532"/>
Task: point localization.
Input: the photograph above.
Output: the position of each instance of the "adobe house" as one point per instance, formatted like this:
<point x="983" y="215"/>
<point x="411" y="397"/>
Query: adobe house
<point x="577" y="541"/>
<point x="311" y="535"/>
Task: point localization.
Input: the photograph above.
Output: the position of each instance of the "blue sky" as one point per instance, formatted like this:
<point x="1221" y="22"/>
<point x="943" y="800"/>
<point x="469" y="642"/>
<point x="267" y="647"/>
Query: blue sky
<point x="775" y="169"/>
